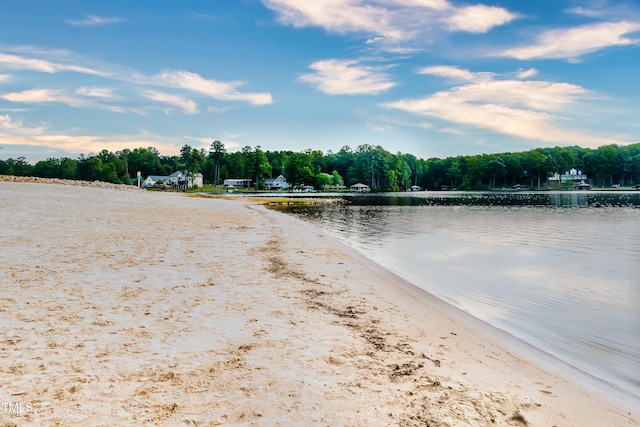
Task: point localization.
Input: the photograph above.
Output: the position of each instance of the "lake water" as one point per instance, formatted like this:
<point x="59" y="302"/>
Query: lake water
<point x="558" y="270"/>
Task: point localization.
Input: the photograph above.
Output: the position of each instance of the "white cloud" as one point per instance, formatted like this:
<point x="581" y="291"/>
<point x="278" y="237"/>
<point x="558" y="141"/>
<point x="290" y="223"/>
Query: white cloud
<point x="187" y="105"/>
<point x="390" y="21"/>
<point x="432" y="4"/>
<point x="15" y="132"/>
<point x="225" y="91"/>
<point x="45" y="96"/>
<point x="524" y="109"/>
<point x="455" y="73"/>
<point x="54" y="61"/>
<point x="38" y="96"/>
<point x="347" y="77"/>
<point x="479" y="18"/>
<point x="94" y="20"/>
<point x="5" y="78"/>
<point x="337" y="16"/>
<point x="575" y="42"/>
<point x="525" y="74"/>
<point x="18" y="62"/>
<point x="96" y="92"/>
<point x="591" y="13"/>
<point x="8" y="124"/>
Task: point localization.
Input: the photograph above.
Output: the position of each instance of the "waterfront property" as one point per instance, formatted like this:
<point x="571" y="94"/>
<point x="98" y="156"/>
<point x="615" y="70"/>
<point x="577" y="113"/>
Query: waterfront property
<point x="178" y="179"/>
<point x="572" y="175"/>
<point x="583" y="186"/>
<point x="360" y="188"/>
<point x="237" y="182"/>
<point x="278" y="183"/>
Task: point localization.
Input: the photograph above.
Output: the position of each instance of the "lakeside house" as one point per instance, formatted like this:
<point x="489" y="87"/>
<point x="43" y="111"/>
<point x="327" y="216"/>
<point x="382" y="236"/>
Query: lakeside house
<point x="237" y="182"/>
<point x="360" y="188"/>
<point x="332" y="186"/>
<point x="583" y="186"/>
<point x="152" y="180"/>
<point x="278" y="183"/>
<point x="573" y="175"/>
<point x="178" y="179"/>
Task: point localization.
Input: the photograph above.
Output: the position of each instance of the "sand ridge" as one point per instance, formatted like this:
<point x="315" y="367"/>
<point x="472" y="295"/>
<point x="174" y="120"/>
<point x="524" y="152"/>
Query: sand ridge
<point x="134" y="308"/>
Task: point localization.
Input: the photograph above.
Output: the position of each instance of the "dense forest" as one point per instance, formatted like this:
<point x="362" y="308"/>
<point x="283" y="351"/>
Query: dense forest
<point x="607" y="166"/>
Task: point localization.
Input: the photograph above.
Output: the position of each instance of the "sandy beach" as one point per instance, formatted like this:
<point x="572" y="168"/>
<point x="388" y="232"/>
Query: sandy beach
<point x="137" y="308"/>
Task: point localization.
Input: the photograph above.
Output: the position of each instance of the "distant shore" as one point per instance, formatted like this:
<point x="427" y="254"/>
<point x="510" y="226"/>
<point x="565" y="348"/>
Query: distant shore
<point x="131" y="307"/>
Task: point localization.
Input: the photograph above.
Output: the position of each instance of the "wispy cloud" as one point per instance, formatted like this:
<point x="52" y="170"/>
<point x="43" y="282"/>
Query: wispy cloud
<point x="525" y="74"/>
<point x="455" y="73"/>
<point x="225" y="91"/>
<point x="48" y="96"/>
<point x="337" y="16"/>
<point x="16" y="132"/>
<point x="390" y="21"/>
<point x="10" y="61"/>
<point x="94" y="21"/>
<point x="96" y="92"/>
<point x="187" y="105"/>
<point x="39" y="96"/>
<point x="573" y="43"/>
<point x="9" y="124"/>
<point x="5" y="78"/>
<point x="607" y="10"/>
<point x="52" y="62"/>
<point x="524" y="109"/>
<point x="584" y="11"/>
<point x="347" y="77"/>
<point x="479" y="18"/>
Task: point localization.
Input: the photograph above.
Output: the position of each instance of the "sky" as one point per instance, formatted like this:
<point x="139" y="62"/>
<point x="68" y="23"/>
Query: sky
<point x="434" y="78"/>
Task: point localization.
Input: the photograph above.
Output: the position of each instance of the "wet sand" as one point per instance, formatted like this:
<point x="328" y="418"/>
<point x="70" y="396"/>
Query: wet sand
<point x="135" y="308"/>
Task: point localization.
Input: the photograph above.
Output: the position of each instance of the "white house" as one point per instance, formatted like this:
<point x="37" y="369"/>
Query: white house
<point x="573" y="175"/>
<point x="151" y="180"/>
<point x="180" y="179"/>
<point x="237" y="182"/>
<point x="279" y="183"/>
<point x="185" y="180"/>
<point x="360" y="188"/>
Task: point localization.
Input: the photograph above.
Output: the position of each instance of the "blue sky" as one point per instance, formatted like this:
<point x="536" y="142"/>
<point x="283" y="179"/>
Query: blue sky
<point x="435" y="78"/>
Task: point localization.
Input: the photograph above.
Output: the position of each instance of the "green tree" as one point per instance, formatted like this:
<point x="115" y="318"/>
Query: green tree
<point x="89" y="168"/>
<point x="217" y="153"/>
<point x="262" y="167"/>
<point x="146" y="161"/>
<point x="336" y="179"/>
<point x="68" y="168"/>
<point x="49" y="168"/>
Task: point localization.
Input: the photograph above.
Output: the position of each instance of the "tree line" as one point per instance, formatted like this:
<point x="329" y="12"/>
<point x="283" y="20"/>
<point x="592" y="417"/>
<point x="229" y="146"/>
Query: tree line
<point x="382" y="170"/>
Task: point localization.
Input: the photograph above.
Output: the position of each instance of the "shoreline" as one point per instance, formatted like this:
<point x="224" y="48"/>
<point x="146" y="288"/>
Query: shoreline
<point x="157" y="308"/>
<point x="509" y="342"/>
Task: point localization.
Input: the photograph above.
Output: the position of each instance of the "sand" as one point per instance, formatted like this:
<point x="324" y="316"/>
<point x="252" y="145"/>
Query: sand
<point x="135" y="308"/>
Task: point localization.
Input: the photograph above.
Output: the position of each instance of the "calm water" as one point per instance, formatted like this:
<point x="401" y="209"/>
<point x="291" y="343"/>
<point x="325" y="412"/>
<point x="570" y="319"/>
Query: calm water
<point x="561" y="272"/>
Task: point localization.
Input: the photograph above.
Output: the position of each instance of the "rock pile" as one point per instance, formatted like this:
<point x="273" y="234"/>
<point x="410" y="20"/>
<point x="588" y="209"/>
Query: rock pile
<point x="95" y="184"/>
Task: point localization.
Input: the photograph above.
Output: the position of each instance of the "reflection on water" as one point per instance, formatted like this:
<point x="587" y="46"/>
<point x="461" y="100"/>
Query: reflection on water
<point x="564" y="280"/>
<point x="556" y="198"/>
